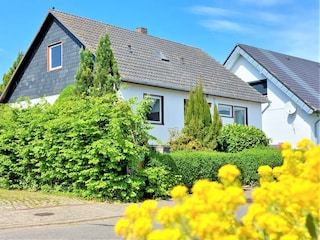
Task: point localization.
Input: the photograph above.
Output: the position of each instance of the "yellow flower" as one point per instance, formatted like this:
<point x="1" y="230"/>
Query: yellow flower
<point x="179" y="192"/>
<point x="165" y="234"/>
<point x="142" y="226"/>
<point x="265" y="170"/>
<point x="122" y="227"/>
<point x="165" y="215"/>
<point x="305" y="144"/>
<point x="133" y="212"/>
<point x="228" y="172"/>
<point x="150" y="205"/>
<point x="285" y="146"/>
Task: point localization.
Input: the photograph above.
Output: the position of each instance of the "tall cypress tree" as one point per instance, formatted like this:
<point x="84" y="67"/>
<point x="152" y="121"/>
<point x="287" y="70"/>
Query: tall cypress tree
<point x="106" y="75"/>
<point x="84" y="76"/>
<point x="7" y="76"/>
<point x="211" y="139"/>
<point x="197" y="117"/>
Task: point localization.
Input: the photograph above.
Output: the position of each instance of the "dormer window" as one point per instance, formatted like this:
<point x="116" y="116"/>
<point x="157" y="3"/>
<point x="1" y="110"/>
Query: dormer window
<point x="55" y="56"/>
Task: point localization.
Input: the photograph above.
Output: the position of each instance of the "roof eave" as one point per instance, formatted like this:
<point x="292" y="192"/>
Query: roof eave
<point x="186" y="89"/>
<point x="5" y="95"/>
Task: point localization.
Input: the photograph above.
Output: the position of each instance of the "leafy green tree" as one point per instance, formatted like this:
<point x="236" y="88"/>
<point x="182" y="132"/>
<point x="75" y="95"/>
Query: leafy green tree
<point x="84" y="76"/>
<point x="106" y="76"/>
<point x="7" y="76"/>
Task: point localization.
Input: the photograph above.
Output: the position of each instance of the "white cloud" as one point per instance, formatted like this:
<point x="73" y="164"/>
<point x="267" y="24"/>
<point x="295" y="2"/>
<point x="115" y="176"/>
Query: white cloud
<point x="211" y="11"/>
<point x="224" y="26"/>
<point x="264" y="3"/>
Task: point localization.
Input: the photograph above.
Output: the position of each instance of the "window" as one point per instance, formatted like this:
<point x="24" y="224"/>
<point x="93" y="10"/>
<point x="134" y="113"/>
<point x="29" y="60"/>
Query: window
<point x="55" y="56"/>
<point x="260" y="86"/>
<point x="240" y="115"/>
<point x="225" y="110"/>
<point x="155" y="114"/>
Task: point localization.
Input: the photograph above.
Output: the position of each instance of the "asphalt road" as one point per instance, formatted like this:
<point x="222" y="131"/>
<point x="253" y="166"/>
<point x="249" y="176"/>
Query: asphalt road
<point x="102" y="229"/>
<point x="98" y="229"/>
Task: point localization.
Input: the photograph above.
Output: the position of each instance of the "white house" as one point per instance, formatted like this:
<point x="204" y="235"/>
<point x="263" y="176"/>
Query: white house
<point x="292" y="86"/>
<point x="148" y="65"/>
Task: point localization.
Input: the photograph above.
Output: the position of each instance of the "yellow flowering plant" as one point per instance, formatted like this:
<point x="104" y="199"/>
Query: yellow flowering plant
<point x="285" y="205"/>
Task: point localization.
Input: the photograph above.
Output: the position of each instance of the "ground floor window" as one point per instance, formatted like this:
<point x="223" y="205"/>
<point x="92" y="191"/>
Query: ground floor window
<point x="240" y="115"/>
<point x="155" y="114"/>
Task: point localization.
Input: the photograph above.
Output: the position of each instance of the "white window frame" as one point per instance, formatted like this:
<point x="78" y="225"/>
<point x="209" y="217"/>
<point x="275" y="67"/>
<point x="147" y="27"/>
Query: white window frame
<point x="228" y="108"/>
<point x="245" y="118"/>
<point x="50" y="47"/>
<point x="160" y="98"/>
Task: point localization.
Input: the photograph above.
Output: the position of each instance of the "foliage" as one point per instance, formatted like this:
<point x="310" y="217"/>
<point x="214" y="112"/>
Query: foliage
<point x="200" y="132"/>
<point x="209" y="212"/>
<point x="197" y="114"/>
<point x="68" y="93"/>
<point x="235" y="137"/>
<point x="7" y="76"/>
<point x="211" y="139"/>
<point x="198" y="165"/>
<point x="161" y="175"/>
<point x="85" y="146"/>
<point x="98" y="75"/>
<point x="84" y="75"/>
<point x="106" y="78"/>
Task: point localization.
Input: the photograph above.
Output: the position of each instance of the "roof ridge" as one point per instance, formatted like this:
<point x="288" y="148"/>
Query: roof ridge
<point x="283" y="54"/>
<point x="52" y="11"/>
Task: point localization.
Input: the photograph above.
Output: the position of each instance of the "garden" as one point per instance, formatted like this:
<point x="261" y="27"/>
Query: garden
<point x="93" y="144"/>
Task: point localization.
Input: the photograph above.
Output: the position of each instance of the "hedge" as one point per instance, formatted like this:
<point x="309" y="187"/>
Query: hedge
<point x="199" y="165"/>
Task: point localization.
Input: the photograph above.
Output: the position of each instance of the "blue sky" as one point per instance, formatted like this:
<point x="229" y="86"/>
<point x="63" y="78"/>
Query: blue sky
<point x="215" y="26"/>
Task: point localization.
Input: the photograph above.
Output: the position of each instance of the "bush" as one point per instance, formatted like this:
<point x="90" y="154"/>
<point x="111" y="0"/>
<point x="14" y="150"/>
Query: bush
<point x="161" y="175"/>
<point x="193" y="166"/>
<point x="84" y="146"/>
<point x="235" y="137"/>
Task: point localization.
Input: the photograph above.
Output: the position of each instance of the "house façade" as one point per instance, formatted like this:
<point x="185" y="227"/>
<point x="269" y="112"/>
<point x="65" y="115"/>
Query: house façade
<point x="148" y="65"/>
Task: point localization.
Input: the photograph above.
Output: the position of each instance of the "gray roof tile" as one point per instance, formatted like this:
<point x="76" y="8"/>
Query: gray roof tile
<point x="299" y="75"/>
<point x="141" y="64"/>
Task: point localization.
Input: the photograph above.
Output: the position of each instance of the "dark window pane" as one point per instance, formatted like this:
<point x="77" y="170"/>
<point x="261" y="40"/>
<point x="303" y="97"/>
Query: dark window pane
<point x="56" y="56"/>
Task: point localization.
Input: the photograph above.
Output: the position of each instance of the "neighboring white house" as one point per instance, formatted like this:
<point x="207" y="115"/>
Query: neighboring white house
<point x="292" y="86"/>
<point x="162" y="69"/>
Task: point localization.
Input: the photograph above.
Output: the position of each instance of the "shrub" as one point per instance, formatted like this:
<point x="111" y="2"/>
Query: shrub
<point x="161" y="175"/>
<point x="209" y="212"/>
<point x="235" y="137"/>
<point x="198" y="165"/>
<point x="84" y="146"/>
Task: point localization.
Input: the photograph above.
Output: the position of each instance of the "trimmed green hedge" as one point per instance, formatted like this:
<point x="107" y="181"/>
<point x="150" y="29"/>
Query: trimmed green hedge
<point x="198" y="165"/>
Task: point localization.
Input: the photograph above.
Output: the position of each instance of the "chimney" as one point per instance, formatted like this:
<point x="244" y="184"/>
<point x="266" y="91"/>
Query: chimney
<point x="142" y="30"/>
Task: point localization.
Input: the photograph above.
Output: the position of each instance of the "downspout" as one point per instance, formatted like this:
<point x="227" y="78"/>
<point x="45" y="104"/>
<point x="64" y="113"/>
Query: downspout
<point x="269" y="103"/>
<point x="316" y="131"/>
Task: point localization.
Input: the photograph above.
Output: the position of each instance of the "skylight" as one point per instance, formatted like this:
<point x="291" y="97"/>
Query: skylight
<point x="162" y="56"/>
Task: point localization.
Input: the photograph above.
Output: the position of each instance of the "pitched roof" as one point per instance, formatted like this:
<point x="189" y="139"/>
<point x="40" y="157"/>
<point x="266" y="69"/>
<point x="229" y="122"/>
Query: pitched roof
<point x="300" y="76"/>
<point x="153" y="61"/>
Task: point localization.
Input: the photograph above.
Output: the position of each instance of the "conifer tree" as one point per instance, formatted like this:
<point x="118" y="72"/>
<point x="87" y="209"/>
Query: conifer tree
<point x="106" y="75"/>
<point x="211" y="139"/>
<point x="197" y="117"/>
<point x="84" y="76"/>
<point x="7" y="76"/>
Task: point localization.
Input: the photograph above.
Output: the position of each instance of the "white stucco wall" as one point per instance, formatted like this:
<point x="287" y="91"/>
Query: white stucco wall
<point x="278" y="125"/>
<point x="174" y="108"/>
